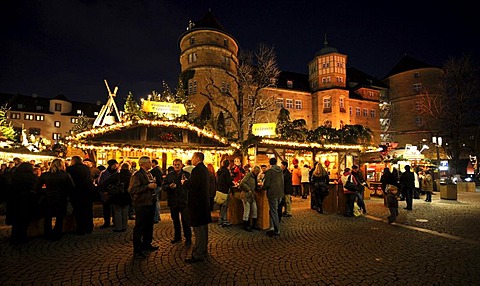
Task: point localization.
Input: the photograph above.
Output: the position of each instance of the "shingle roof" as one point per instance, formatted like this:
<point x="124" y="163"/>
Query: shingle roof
<point x="299" y="81"/>
<point x="209" y="21"/>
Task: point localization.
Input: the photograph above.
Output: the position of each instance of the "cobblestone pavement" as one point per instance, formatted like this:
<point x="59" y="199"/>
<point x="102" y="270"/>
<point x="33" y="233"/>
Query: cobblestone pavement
<point x="437" y="243"/>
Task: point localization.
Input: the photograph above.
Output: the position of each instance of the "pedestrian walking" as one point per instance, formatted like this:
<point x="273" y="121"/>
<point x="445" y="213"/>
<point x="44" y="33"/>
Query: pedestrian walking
<point x="177" y="200"/>
<point x="199" y="207"/>
<point x="142" y="189"/>
<point x="361" y="187"/>
<point x="274" y="185"/>
<point x="392" y="203"/>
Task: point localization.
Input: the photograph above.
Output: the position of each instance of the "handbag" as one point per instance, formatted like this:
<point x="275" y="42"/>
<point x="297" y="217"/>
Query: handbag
<point x="220" y="197"/>
<point x="349" y="185"/>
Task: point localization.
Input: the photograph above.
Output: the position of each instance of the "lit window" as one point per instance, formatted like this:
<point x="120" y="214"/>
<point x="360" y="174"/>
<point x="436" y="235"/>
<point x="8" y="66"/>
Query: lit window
<point x="289" y="83"/>
<point x="56" y="136"/>
<point x="298" y="104"/>
<point x="15" y="115"/>
<point x="57" y="124"/>
<point x="79" y="112"/>
<point x="74" y="120"/>
<point x="95" y="113"/>
<point x="192" y="58"/>
<point x="358" y="112"/>
<point x="289" y="103"/>
<point x="58" y="107"/>
<point x="279" y="102"/>
<point x="365" y="112"/>
<point x="327" y="103"/>
<point x="372" y="113"/>
<point x="39" y="118"/>
<point x="192" y="86"/>
<point x="29" y="117"/>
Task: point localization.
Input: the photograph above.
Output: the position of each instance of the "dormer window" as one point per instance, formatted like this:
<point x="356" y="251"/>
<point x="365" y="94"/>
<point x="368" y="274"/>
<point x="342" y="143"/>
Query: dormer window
<point x="58" y="107"/>
<point x="38" y="107"/>
<point x="79" y="112"/>
<point x="289" y="83"/>
<point x="20" y="106"/>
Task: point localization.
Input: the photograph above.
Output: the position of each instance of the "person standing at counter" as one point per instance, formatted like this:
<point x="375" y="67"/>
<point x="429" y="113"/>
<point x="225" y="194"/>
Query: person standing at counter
<point x="274" y="186"/>
<point x="320" y="181"/>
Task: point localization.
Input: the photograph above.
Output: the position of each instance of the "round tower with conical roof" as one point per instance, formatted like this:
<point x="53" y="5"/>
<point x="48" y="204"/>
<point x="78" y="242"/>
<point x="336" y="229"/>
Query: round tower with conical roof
<point x="208" y="60"/>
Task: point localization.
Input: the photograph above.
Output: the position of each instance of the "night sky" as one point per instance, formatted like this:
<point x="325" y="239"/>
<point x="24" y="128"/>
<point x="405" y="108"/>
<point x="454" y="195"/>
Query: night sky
<point x="50" y="47"/>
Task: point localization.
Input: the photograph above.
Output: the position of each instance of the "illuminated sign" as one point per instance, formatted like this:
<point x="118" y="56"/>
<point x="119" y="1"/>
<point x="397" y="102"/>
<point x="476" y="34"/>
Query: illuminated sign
<point x="443" y="166"/>
<point x="164" y="107"/>
<point x="264" y="129"/>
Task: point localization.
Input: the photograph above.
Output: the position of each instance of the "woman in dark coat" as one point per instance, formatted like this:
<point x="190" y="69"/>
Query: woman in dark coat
<point x="22" y="202"/>
<point x="58" y="188"/>
<point x="320" y="182"/>
<point x="121" y="201"/>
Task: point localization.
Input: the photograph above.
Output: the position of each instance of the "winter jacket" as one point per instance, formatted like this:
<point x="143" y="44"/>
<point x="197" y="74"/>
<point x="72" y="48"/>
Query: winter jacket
<point x="58" y="187"/>
<point x="224" y="180"/>
<point x="249" y="185"/>
<point x="296" y="176"/>
<point x="176" y="197"/>
<point x="124" y="198"/>
<point x="199" y="196"/>
<point x="142" y="195"/>
<point x="274" y="183"/>
<point x="287" y="182"/>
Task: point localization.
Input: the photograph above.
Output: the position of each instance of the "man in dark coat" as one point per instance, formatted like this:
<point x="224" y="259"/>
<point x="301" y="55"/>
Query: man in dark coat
<point x="82" y="195"/>
<point x="157" y="173"/>
<point x="177" y="199"/>
<point x="288" y="190"/>
<point x="407" y="183"/>
<point x="199" y="206"/>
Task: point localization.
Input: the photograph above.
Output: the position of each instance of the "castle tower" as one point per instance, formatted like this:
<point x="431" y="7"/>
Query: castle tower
<point x="208" y="60"/>
<point x="327" y="76"/>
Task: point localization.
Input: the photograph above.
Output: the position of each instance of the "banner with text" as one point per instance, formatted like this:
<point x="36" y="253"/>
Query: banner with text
<point x="164" y="107"/>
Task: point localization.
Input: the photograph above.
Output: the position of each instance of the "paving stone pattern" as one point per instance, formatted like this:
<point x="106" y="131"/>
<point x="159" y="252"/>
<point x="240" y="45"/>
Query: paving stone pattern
<point x="313" y="249"/>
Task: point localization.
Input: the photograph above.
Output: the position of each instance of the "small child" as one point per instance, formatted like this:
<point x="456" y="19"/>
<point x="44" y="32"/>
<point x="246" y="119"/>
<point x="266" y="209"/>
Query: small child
<point x="392" y="203"/>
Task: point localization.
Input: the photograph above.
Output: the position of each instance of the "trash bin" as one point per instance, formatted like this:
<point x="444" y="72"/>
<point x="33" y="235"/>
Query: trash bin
<point x="448" y="191"/>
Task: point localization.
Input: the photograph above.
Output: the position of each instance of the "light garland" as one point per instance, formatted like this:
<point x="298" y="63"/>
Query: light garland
<point x="156" y="123"/>
<point x="229" y="151"/>
<point x="311" y="145"/>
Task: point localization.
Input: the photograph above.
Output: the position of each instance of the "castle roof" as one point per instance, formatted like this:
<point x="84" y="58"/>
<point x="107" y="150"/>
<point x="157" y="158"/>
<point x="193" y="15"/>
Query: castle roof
<point x="407" y="63"/>
<point x="209" y="21"/>
<point x="326" y="49"/>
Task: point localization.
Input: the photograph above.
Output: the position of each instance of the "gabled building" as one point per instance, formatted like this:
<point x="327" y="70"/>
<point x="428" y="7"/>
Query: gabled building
<point x="51" y="118"/>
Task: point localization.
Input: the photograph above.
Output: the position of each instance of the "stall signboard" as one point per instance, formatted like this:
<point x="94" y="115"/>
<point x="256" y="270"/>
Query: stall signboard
<point x="264" y="129"/>
<point x="164" y="107"/>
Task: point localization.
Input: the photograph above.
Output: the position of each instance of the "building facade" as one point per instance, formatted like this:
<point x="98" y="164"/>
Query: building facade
<point x="50" y="118"/>
<point x="329" y="95"/>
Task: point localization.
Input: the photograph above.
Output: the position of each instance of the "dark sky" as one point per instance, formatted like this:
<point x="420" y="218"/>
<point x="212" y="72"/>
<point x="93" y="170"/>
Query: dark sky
<point x="50" y="47"/>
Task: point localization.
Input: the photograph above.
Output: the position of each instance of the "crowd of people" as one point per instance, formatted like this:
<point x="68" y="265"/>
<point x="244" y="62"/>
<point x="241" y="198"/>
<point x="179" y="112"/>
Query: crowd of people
<point x="64" y="187"/>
